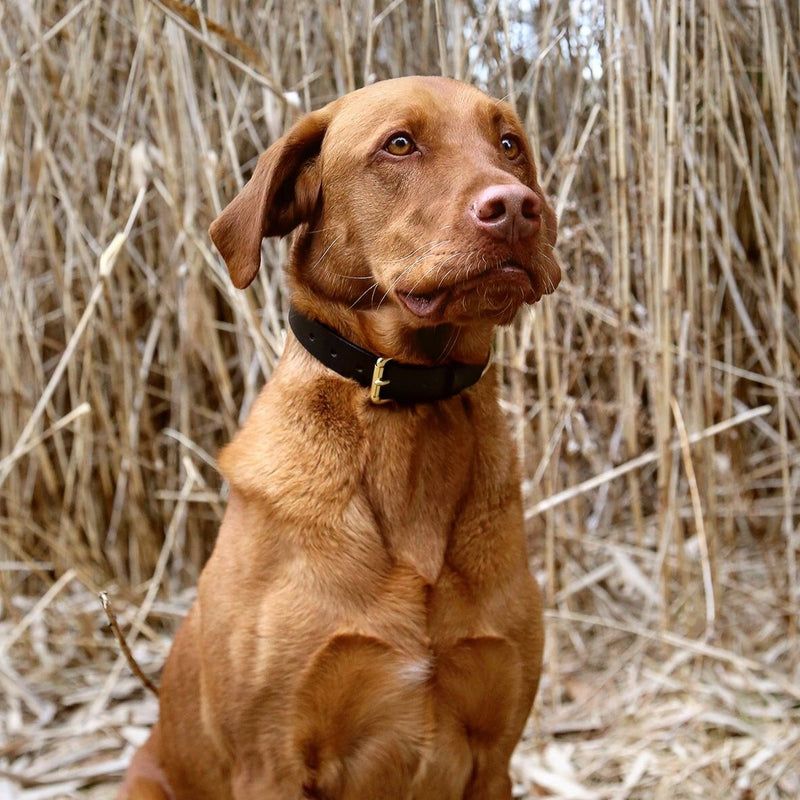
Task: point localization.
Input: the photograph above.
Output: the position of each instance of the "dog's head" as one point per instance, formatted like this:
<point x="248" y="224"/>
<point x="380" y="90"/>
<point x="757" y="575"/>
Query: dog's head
<point x="416" y="195"/>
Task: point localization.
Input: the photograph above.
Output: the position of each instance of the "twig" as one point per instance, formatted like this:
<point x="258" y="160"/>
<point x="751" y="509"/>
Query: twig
<point x="126" y="651"/>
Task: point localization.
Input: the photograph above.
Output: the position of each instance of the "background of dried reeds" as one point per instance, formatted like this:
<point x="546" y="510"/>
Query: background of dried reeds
<point x="655" y="397"/>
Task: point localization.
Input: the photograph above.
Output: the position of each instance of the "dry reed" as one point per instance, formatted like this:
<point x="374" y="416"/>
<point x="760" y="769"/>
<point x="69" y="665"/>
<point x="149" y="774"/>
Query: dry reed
<point x="655" y="397"/>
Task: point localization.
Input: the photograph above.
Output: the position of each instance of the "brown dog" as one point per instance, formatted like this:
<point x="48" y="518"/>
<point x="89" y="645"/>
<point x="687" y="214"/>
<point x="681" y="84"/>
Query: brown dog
<point x="367" y="627"/>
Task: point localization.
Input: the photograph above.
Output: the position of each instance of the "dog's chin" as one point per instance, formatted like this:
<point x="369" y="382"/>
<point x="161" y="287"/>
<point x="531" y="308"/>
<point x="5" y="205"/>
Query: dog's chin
<point x="493" y="296"/>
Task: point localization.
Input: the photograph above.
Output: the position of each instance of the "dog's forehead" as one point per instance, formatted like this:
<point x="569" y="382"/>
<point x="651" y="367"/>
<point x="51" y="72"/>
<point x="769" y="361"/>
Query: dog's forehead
<point x="418" y="103"/>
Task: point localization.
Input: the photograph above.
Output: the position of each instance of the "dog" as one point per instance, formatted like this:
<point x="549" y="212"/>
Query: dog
<point x="367" y="626"/>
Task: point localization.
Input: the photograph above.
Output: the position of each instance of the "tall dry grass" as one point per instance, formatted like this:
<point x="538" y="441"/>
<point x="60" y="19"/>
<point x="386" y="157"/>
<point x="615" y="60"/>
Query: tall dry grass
<point x="655" y="397"/>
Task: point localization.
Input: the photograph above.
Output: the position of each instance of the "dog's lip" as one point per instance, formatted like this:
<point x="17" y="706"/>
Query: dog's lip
<point x="428" y="304"/>
<point x="424" y="304"/>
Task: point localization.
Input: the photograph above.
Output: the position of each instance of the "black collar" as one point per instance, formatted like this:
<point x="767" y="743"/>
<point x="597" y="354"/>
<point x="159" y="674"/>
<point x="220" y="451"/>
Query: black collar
<point x="386" y="379"/>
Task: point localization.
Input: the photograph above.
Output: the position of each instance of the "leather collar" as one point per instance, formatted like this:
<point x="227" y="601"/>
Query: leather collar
<point x="386" y="379"/>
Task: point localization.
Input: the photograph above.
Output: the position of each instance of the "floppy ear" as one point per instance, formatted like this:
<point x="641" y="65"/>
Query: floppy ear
<point x="282" y="193"/>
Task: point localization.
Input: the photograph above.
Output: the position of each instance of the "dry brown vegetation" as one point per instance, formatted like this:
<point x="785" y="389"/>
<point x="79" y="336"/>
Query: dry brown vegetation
<point x="655" y="396"/>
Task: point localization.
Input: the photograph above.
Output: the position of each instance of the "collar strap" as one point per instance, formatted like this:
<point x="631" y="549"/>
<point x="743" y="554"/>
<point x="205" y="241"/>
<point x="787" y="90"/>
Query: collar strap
<point x="386" y="379"/>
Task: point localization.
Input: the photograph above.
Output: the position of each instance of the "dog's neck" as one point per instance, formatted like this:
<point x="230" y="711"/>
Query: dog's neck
<point x="385" y="332"/>
<point x="386" y="379"/>
<point x="436" y="342"/>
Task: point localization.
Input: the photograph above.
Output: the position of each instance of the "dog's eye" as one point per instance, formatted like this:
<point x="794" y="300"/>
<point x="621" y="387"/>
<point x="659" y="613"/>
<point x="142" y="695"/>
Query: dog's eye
<point x="511" y="147"/>
<point x="400" y="144"/>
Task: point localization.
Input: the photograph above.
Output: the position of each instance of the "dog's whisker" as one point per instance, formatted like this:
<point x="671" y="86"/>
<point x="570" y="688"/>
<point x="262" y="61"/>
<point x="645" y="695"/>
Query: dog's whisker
<point x="325" y="253"/>
<point x="373" y="288"/>
<point x="428" y="247"/>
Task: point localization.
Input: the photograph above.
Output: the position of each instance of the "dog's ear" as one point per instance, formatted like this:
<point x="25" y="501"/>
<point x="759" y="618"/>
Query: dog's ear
<point x="282" y="193"/>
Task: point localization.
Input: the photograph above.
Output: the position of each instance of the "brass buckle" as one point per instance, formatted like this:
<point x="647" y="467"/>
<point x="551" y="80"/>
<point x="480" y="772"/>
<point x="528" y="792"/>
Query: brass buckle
<point x="378" y="382"/>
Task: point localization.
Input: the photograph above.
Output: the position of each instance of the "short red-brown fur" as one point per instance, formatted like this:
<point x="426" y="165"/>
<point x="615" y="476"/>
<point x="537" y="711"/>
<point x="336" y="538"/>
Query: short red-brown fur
<point x="367" y="625"/>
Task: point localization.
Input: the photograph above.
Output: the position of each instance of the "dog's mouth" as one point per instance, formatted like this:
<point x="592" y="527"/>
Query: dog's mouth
<point x="424" y="305"/>
<point x="498" y="288"/>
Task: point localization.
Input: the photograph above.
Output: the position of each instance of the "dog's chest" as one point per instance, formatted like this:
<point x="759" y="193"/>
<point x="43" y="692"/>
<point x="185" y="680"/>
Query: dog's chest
<point x="416" y="488"/>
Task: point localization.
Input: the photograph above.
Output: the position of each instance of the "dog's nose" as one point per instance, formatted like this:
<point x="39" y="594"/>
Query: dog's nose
<point x="507" y="211"/>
